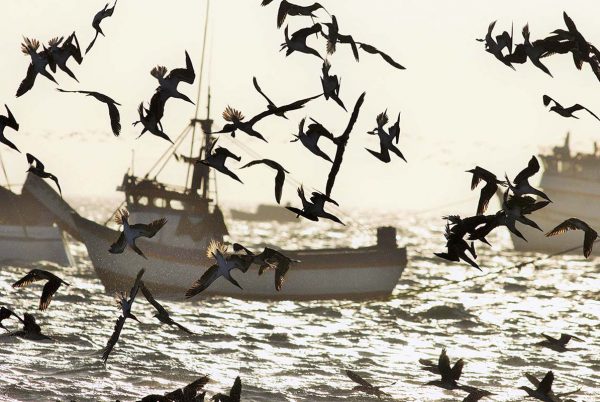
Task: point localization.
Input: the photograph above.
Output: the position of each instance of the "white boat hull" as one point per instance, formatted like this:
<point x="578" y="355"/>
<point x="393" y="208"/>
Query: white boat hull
<point x="30" y="244"/>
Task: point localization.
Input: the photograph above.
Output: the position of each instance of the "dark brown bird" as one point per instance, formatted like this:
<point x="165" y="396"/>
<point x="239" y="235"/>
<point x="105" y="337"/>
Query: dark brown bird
<point x="315" y="208"/>
<point x="37" y="168"/>
<point x="271" y="106"/>
<point x="490" y="188"/>
<point x="297" y="42"/>
<point x="100" y="15"/>
<point x="113" y="112"/>
<point x="8" y="121"/>
<point x="450" y="375"/>
<point x="217" y="159"/>
<point x="131" y="233"/>
<point x="168" y="82"/>
<point x="476" y="394"/>
<point x="189" y="393"/>
<point x="521" y="183"/>
<point x="331" y="85"/>
<point x="161" y="315"/>
<point x="31" y="330"/>
<point x="558" y="344"/>
<point x="577" y="224"/>
<point x="50" y="287"/>
<point x="543" y="390"/>
<point x="235" y="393"/>
<point x="365" y="386"/>
<point x="39" y="61"/>
<point x="566" y="111"/>
<point x="279" y="178"/>
<point x="286" y="8"/>
<point x="59" y="54"/>
<point x="5" y="314"/>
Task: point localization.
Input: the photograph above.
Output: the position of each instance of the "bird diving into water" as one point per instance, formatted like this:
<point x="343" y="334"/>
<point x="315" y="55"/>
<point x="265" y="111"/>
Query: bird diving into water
<point x="331" y="85"/>
<point x="113" y="112"/>
<point x="235" y="393"/>
<point x="168" y="82"/>
<point x="50" y="288"/>
<point x="315" y="208"/>
<point x="457" y="248"/>
<point x="566" y="111"/>
<point x="37" y="168"/>
<point x="279" y="178"/>
<point x="11" y="122"/>
<point x="577" y="224"/>
<point x="39" y="61"/>
<point x="98" y="18"/>
<point x="125" y="302"/>
<point x="365" y="386"/>
<point x="497" y="45"/>
<point x="217" y="159"/>
<point x="557" y="344"/>
<point x="162" y="314"/>
<point x="131" y="233"/>
<point x="386" y="138"/>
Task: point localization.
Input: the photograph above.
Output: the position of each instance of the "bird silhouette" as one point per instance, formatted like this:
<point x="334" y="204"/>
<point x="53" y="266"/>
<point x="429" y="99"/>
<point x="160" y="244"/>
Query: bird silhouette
<point x="8" y="121"/>
<point x="365" y="386"/>
<point x="577" y="224"/>
<point x="113" y="112"/>
<point x="279" y="178"/>
<point x="39" y="61"/>
<point x="37" y="168"/>
<point x="218" y="158"/>
<point x="50" y="288"/>
<point x="162" y="314"/>
<point x="297" y="42"/>
<point x="566" y="111"/>
<point x="98" y="18"/>
<point x="131" y="233"/>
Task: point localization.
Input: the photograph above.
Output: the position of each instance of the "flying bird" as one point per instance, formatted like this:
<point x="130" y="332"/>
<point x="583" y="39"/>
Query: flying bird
<point x="331" y="85"/>
<point x="8" y="121"/>
<point x="543" y="390"/>
<point x="113" y="112"/>
<point x="126" y="303"/>
<point x="269" y="259"/>
<point x="558" y="344"/>
<point x="161" y="315"/>
<point x="150" y="118"/>
<point x="189" y="393"/>
<point x="457" y="248"/>
<point x="272" y="107"/>
<point x="168" y="82"/>
<point x="37" y="168"/>
<point x="310" y="138"/>
<point x="566" y="111"/>
<point x="5" y="314"/>
<point x="31" y="329"/>
<point x="476" y="395"/>
<point x="450" y="375"/>
<point x="50" y="287"/>
<point x="131" y="233"/>
<point x="490" y="188"/>
<point x="521" y="184"/>
<point x="315" y="208"/>
<point x="217" y="159"/>
<point x="39" y="61"/>
<point x="279" y="178"/>
<point x="534" y="53"/>
<point x="222" y="268"/>
<point x="577" y="224"/>
<point x="386" y="139"/>
<point x="60" y="52"/>
<point x="100" y="15"/>
<point x="373" y="50"/>
<point x="286" y="8"/>
<point x="495" y="46"/>
<point x="365" y="386"/>
<point x="234" y="394"/>
<point x="297" y="42"/>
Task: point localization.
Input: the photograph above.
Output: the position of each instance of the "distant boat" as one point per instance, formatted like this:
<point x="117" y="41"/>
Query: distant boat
<point x="573" y="184"/>
<point x="27" y="234"/>
<point x="265" y="213"/>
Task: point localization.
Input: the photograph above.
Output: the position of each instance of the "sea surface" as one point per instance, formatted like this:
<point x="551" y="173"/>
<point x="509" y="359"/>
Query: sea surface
<point x="298" y="351"/>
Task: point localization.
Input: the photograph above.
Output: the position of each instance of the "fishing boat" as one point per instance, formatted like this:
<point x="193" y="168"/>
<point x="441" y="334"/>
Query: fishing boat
<point x="572" y="181"/>
<point x="265" y="213"/>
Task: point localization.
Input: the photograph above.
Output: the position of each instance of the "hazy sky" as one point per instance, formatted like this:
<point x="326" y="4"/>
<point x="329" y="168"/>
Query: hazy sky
<point x="460" y="106"/>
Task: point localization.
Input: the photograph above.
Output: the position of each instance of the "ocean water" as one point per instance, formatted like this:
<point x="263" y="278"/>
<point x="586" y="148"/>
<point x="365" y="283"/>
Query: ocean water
<point x="298" y="351"/>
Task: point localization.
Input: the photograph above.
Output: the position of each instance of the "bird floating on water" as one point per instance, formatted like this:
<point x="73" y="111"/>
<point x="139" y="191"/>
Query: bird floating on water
<point x="279" y="178"/>
<point x="98" y="18"/>
<point x="37" y="168"/>
<point x="50" y="287"/>
<point x="131" y="233"/>
<point x="577" y="224"/>
<point x="8" y="121"/>
<point x="113" y="112"/>
<point x="365" y="386"/>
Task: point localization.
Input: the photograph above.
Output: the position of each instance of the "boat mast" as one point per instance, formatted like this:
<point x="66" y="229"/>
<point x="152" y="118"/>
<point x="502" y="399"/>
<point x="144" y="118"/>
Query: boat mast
<point x="200" y="175"/>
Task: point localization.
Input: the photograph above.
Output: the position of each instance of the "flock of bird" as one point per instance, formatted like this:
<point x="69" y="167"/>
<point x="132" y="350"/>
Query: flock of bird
<point x="518" y="201"/>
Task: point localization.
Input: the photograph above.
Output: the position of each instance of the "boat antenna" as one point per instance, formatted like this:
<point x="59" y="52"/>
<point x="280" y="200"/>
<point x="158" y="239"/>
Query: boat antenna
<point x="132" y="160"/>
<point x="4" y="170"/>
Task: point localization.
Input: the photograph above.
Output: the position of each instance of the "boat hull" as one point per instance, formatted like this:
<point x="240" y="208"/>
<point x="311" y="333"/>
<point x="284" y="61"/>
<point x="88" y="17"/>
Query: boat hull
<point x="30" y="244"/>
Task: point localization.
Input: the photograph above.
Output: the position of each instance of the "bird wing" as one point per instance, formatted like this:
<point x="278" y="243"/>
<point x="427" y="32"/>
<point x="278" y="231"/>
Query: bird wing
<point x="588" y="242"/>
<point x="9" y="120"/>
<point x="32" y="276"/>
<point x="569" y="224"/>
<point x="532" y="168"/>
<point x="236" y="390"/>
<point x="487" y="192"/>
<point x="149" y="230"/>
<point x="55" y="179"/>
<point x="49" y="290"/>
<point x="186" y="74"/>
<point x="532" y="379"/>
<point x="577" y="107"/>
<point x="136" y="285"/>
<point x="279" y="180"/>
<point x="358" y="379"/>
<point x="387" y="58"/>
<point x="350" y="40"/>
<point x="261" y="92"/>
<point x="204" y="282"/>
<point x="444" y="365"/>
<point x="192" y="388"/>
<point x="152" y="300"/>
<point x="550" y="339"/>
<point x="548" y="99"/>
<point x="119" y="246"/>
<point x="281" y="109"/>
<point x="283" y="12"/>
<point x="33" y="160"/>
<point x="28" y="81"/>
<point x="113" y="338"/>
<point x="457" y="369"/>
<point x="545" y="385"/>
<point x="115" y="118"/>
<point x="282" y="268"/>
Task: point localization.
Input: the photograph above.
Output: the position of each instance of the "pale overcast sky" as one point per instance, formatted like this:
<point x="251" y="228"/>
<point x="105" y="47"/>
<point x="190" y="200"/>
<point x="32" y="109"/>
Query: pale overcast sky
<point x="460" y="107"/>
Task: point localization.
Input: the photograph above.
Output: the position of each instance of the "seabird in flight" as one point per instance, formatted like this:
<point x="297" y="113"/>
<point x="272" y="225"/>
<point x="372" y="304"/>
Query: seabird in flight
<point x="365" y="386"/>
<point x="534" y="53"/>
<point x="59" y="54"/>
<point x="496" y="46"/>
<point x="315" y="208"/>
<point x="131" y="233"/>
<point x="331" y="85"/>
<point x="521" y="184"/>
<point x="189" y="393"/>
<point x="297" y="42"/>
<point x="50" y="287"/>
<point x="566" y="111"/>
<point x="543" y="390"/>
<point x="161" y="315"/>
<point x="217" y="159"/>
<point x="558" y="344"/>
<point x="450" y="375"/>
<point x="386" y="139"/>
<point x="577" y="224"/>
<point x="31" y="330"/>
<point x="168" y="82"/>
<point x="279" y="178"/>
<point x="269" y="259"/>
<point x="113" y="112"/>
<point x="125" y="302"/>
<point x="151" y="119"/>
<point x="286" y="8"/>
<point x="5" y="314"/>
<point x="490" y="188"/>
<point x="8" y="121"/>
<point x="37" y="168"/>
<point x="310" y="138"/>
<point x="234" y="394"/>
<point x="100" y="15"/>
<point x="271" y="106"/>
<point x="38" y="64"/>
<point x="457" y="248"/>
